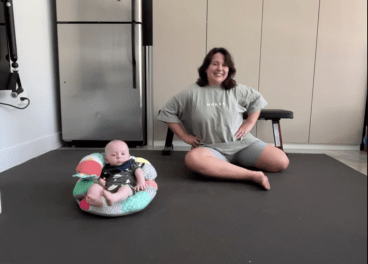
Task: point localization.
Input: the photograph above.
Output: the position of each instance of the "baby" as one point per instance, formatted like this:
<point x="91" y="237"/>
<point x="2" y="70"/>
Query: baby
<point x="120" y="178"/>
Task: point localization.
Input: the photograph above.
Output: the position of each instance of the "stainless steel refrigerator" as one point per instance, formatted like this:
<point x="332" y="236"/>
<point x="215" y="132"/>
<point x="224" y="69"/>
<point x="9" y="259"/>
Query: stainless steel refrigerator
<point x="103" y="66"/>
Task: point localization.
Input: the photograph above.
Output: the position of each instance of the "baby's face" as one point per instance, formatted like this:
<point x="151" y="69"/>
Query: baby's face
<point x="117" y="153"/>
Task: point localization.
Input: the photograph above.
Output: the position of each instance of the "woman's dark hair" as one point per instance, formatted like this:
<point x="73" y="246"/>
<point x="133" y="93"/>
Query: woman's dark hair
<point x="229" y="82"/>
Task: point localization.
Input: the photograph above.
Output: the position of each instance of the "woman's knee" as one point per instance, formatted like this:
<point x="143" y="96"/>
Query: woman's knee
<point x="279" y="162"/>
<point x="283" y="162"/>
<point x="273" y="159"/>
<point x="194" y="157"/>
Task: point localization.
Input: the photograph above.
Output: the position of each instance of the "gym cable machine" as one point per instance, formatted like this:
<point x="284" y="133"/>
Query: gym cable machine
<point x="12" y="78"/>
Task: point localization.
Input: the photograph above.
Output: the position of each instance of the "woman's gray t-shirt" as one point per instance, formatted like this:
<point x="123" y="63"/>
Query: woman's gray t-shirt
<point x="214" y="114"/>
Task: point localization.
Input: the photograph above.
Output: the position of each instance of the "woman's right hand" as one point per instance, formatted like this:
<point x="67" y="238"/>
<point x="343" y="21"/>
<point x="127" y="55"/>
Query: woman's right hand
<point x="184" y="136"/>
<point x="191" y="140"/>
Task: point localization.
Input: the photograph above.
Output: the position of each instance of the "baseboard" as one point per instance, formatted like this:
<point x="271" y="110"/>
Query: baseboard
<point x="177" y="143"/>
<point x="320" y="147"/>
<point x="21" y="153"/>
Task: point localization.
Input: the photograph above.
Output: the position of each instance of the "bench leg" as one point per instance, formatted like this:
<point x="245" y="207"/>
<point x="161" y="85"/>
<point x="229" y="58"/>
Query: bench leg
<point x="168" y="143"/>
<point x="277" y="133"/>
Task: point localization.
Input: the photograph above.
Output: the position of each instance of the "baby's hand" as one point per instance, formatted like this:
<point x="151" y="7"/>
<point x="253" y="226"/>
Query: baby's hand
<point x="101" y="181"/>
<point x="141" y="186"/>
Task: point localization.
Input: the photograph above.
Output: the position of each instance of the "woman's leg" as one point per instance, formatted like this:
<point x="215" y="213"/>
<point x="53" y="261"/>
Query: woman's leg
<point x="203" y="161"/>
<point x="272" y="159"/>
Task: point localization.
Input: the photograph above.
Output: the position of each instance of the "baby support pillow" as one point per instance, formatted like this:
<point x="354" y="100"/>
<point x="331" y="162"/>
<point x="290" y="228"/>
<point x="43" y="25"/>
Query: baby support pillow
<point x="89" y="169"/>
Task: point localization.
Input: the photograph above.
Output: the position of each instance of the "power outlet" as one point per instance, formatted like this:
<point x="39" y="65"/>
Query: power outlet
<point x="23" y="94"/>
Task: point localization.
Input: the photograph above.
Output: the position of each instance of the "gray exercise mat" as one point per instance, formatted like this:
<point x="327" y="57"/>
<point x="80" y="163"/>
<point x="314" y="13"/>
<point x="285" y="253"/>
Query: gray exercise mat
<point x="315" y="212"/>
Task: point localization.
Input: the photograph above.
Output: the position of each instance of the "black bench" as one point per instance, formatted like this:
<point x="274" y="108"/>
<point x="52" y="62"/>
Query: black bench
<point x="267" y="114"/>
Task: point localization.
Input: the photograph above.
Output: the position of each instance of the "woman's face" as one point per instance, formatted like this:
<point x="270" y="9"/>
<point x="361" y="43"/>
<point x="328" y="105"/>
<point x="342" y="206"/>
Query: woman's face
<point x="217" y="71"/>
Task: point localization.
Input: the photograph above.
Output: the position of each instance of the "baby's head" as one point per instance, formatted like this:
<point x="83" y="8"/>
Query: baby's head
<point x="116" y="152"/>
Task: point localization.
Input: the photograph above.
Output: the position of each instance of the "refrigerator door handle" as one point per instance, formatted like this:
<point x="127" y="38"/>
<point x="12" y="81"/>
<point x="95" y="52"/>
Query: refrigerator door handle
<point x="137" y="55"/>
<point x="137" y="11"/>
<point x="136" y="21"/>
<point x="133" y="57"/>
<point x="133" y="46"/>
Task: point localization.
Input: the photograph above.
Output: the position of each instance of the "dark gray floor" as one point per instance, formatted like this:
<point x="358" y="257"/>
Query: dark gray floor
<point x="315" y="212"/>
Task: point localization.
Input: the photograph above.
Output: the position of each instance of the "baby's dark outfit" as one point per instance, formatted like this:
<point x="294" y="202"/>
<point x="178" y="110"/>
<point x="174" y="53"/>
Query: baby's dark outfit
<point x="117" y="176"/>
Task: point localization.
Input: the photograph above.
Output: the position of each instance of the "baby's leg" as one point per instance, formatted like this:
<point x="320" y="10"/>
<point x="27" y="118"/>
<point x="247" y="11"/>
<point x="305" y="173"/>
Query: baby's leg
<point x="95" y="192"/>
<point x="122" y="194"/>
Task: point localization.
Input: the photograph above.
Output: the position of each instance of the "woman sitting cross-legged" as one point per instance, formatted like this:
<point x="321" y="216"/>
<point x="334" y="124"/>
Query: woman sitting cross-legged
<point x="208" y="115"/>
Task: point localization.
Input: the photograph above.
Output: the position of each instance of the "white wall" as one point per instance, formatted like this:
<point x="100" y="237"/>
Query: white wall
<point x="28" y="133"/>
<point x="307" y="56"/>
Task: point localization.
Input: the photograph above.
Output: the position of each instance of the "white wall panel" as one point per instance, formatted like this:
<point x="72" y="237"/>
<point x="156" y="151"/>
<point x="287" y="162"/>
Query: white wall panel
<point x="179" y="46"/>
<point x="236" y="26"/>
<point x="287" y="65"/>
<point x="341" y="73"/>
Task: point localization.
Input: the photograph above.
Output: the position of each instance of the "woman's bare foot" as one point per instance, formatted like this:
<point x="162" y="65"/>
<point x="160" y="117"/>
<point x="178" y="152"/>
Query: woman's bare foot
<point x="95" y="201"/>
<point x="262" y="179"/>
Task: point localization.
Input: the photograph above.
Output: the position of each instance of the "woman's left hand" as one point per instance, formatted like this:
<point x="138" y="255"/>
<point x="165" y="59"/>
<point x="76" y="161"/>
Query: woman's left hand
<point x="243" y="130"/>
<point x="247" y="125"/>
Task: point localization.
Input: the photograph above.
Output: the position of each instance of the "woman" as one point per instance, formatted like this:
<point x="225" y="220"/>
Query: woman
<point x="208" y="116"/>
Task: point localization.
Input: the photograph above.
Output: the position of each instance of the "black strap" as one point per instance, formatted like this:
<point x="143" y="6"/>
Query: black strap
<point x="14" y="79"/>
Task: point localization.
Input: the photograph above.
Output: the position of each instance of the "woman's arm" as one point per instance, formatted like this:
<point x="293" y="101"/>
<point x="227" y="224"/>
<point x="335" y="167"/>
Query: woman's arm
<point x="179" y="131"/>
<point x="248" y="124"/>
